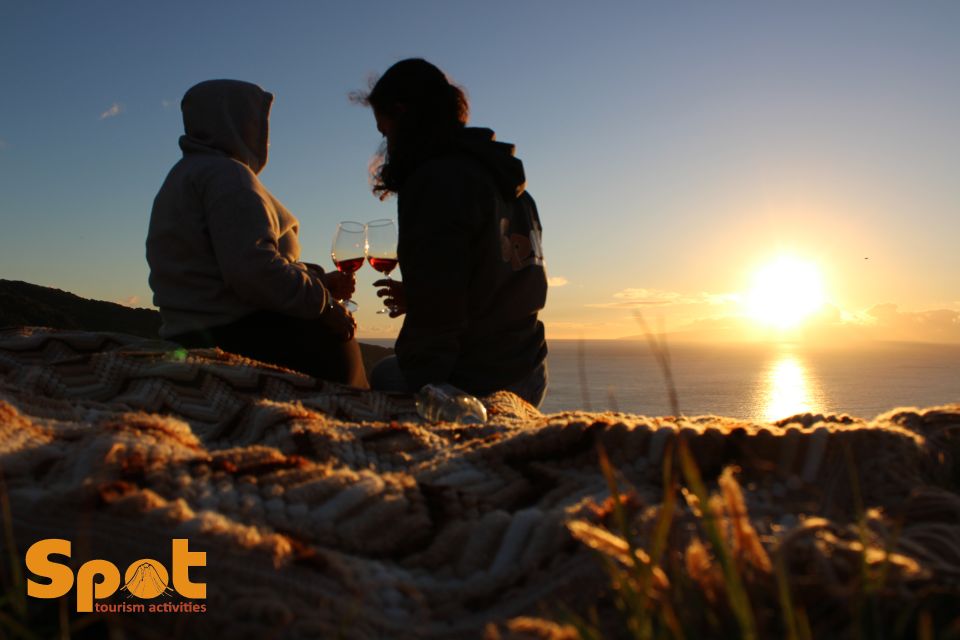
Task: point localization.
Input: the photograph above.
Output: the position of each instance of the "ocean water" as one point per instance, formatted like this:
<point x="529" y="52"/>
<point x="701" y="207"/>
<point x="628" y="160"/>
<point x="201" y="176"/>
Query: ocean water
<point x="756" y="382"/>
<point x="753" y="382"/>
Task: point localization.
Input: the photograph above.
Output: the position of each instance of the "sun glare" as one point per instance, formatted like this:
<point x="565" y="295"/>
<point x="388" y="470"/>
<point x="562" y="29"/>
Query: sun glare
<point x="785" y="292"/>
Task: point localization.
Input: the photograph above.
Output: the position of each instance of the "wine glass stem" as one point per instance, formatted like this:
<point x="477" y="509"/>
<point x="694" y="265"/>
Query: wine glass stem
<point x="386" y="308"/>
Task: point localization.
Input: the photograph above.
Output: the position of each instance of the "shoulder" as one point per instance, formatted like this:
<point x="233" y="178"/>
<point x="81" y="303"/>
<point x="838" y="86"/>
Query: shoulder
<point x="219" y="172"/>
<point x="526" y="200"/>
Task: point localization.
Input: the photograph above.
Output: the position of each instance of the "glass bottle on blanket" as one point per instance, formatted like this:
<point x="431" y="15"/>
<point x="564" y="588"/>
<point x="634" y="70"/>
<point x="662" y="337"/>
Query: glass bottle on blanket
<point x="446" y="403"/>
<point x="348" y="250"/>
<point x="381" y="249"/>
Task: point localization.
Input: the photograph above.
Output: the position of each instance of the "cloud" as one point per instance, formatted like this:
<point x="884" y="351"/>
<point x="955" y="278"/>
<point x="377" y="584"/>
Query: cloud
<point x="115" y="109"/>
<point x="887" y="322"/>
<point x="575" y="330"/>
<point x="131" y="301"/>
<point x="557" y="281"/>
<point x="634" y="298"/>
<point x="166" y="104"/>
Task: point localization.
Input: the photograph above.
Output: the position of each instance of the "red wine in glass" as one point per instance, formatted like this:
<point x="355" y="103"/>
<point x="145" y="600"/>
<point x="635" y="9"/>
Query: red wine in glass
<point x="350" y="265"/>
<point x="383" y="265"/>
<point x="381" y="248"/>
<point x="349" y="247"/>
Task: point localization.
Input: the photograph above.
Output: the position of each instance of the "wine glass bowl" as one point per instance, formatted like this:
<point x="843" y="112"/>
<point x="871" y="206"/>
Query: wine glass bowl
<point x="348" y="250"/>
<point x="383" y="265"/>
<point x="381" y="248"/>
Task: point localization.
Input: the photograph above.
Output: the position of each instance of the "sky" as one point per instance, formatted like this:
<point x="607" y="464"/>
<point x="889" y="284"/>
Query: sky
<point x="674" y="149"/>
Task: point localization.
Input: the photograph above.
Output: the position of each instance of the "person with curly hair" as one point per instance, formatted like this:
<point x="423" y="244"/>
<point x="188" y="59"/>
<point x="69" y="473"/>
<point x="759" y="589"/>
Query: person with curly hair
<point x="469" y="244"/>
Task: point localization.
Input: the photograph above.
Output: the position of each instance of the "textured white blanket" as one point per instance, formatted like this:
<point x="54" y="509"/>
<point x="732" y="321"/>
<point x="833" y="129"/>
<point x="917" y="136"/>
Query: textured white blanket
<point x="329" y="512"/>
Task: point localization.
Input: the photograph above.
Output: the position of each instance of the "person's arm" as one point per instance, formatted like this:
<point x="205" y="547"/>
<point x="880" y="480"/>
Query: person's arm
<point x="244" y="229"/>
<point x="437" y="221"/>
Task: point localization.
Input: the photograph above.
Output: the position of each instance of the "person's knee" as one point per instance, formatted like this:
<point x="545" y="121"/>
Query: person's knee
<point x="387" y="376"/>
<point x="544" y="384"/>
<point x="533" y="388"/>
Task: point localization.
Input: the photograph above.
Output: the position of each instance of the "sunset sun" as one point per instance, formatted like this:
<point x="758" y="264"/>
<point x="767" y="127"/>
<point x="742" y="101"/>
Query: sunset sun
<point x="785" y="292"/>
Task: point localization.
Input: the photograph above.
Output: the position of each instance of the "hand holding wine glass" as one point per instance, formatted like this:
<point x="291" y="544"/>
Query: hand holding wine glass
<point x="381" y="250"/>
<point x="348" y="249"/>
<point x="393" y="296"/>
<point x="340" y="285"/>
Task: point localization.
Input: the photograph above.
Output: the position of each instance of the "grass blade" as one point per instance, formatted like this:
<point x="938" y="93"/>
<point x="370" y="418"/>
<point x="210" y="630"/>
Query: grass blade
<point x="17" y="592"/>
<point x="786" y="599"/>
<point x="736" y="592"/>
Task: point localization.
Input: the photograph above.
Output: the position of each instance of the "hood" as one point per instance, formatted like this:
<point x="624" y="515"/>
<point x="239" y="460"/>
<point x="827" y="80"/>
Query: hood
<point x="497" y="157"/>
<point x="230" y="117"/>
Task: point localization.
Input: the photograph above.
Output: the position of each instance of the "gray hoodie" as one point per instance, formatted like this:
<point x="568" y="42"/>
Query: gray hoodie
<point x="220" y="246"/>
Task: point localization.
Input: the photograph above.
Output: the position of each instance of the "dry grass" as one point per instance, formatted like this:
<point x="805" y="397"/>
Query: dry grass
<point x="23" y="618"/>
<point x="700" y="569"/>
<point x="719" y="579"/>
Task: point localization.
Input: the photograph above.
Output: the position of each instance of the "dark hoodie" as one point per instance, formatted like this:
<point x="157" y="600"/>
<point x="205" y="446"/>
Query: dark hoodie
<point x="220" y="246"/>
<point x="472" y="266"/>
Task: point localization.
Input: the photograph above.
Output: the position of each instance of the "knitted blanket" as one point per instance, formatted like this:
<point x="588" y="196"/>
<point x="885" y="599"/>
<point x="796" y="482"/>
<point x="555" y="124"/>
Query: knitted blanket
<point x="329" y="512"/>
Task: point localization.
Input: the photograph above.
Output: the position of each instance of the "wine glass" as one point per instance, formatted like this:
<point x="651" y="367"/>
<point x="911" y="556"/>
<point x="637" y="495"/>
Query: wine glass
<point x="347" y="252"/>
<point x="381" y="248"/>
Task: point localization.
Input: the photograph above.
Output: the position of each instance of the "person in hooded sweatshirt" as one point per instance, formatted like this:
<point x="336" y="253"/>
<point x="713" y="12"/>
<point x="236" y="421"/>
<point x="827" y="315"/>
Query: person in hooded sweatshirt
<point x="469" y="244"/>
<point x="224" y="255"/>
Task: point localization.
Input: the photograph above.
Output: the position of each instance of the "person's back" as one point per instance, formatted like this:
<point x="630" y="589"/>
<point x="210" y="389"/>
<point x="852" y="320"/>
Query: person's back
<point x="469" y="246"/>
<point x="472" y="266"/>
<point x="224" y="253"/>
<point x="203" y="270"/>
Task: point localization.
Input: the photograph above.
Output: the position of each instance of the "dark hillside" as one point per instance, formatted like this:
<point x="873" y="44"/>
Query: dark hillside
<point x="22" y="303"/>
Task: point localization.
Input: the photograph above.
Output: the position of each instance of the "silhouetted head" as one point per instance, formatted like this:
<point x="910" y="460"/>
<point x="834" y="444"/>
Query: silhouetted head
<point x="419" y="111"/>
<point x="230" y="116"/>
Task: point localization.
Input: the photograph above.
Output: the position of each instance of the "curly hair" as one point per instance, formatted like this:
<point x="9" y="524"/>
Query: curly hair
<point x="428" y="111"/>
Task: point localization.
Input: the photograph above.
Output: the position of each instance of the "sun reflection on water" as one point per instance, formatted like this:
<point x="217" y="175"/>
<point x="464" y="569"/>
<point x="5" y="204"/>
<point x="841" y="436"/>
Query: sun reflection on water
<point x="789" y="389"/>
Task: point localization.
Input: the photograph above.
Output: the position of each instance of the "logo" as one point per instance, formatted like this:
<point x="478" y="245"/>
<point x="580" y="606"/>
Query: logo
<point x="144" y="579"/>
<point x="520" y="249"/>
